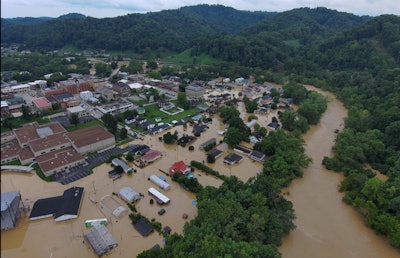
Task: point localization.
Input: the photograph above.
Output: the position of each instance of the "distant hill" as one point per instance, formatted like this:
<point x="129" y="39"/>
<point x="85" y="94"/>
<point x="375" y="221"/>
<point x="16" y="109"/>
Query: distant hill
<point x="226" y="19"/>
<point x="72" y="16"/>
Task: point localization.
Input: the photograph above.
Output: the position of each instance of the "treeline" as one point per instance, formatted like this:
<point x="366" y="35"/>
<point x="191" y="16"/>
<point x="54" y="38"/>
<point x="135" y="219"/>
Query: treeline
<point x="37" y="65"/>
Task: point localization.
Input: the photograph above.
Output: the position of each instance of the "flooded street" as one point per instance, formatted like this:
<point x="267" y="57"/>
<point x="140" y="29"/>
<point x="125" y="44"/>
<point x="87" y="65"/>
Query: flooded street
<point x="326" y="226"/>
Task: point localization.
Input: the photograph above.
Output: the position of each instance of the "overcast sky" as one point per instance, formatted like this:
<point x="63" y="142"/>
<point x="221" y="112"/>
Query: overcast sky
<point x="113" y="8"/>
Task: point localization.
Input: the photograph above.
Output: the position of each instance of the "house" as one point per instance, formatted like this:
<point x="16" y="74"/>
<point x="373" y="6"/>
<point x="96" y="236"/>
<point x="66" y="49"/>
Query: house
<point x="129" y="195"/>
<point x="151" y="156"/>
<point x="242" y="149"/>
<point x="232" y="158"/>
<point x="210" y="142"/>
<point x="257" y="156"/>
<point x="273" y="126"/>
<point x="215" y="153"/>
<point x="62" y="208"/>
<point x="179" y="167"/>
<point x="100" y="239"/>
<point x="198" y="129"/>
<point x="185" y="140"/>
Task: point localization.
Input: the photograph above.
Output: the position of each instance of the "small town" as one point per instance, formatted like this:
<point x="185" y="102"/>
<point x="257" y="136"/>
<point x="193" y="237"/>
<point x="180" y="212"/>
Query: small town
<point x="148" y="129"/>
<point x="68" y="156"/>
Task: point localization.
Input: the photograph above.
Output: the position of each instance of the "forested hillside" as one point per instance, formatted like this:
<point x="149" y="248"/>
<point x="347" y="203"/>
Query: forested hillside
<point x="357" y="58"/>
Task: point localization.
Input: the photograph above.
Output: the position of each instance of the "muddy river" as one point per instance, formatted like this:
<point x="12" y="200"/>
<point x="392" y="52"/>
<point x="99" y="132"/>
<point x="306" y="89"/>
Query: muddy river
<point x="325" y="226"/>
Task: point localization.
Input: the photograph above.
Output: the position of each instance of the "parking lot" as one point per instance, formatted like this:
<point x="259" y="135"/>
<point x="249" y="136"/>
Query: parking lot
<point x="95" y="160"/>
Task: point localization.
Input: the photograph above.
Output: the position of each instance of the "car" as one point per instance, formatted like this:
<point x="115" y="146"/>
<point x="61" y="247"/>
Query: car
<point x="161" y="212"/>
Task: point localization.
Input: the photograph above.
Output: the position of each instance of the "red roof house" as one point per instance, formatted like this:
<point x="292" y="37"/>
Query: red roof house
<point x="180" y="167"/>
<point x="151" y="156"/>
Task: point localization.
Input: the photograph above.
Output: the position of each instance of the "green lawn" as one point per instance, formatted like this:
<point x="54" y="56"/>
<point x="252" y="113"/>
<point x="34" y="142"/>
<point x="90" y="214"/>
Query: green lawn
<point x="153" y="111"/>
<point x="85" y="125"/>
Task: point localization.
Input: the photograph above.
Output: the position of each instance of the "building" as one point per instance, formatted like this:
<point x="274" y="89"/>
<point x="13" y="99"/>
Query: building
<point x="129" y="195"/>
<point x="52" y="146"/>
<point x="64" y="207"/>
<point x="136" y="87"/>
<point x="194" y="91"/>
<point x="5" y="110"/>
<point x="86" y="95"/>
<point x="91" y="139"/>
<point x="60" y="160"/>
<point x="41" y="104"/>
<point x="75" y="86"/>
<point x="159" y="182"/>
<point x="118" y="162"/>
<point x="257" y="156"/>
<point x="10" y="209"/>
<point x="151" y="156"/>
<point x="122" y="88"/>
<point x="232" y="158"/>
<point x="179" y="167"/>
<point x="211" y="142"/>
<point x="107" y="93"/>
<point x="78" y="110"/>
<point x="65" y="99"/>
<point x="100" y="239"/>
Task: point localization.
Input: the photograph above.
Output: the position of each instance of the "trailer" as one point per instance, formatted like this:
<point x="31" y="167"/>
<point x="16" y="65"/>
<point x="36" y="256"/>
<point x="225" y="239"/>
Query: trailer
<point x="161" y="199"/>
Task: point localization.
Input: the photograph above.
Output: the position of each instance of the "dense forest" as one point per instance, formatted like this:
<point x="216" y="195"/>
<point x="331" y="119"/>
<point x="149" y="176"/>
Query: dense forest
<point x="357" y="58"/>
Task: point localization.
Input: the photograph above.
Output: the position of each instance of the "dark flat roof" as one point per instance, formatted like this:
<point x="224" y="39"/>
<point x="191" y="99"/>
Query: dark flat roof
<point x="232" y="157"/>
<point x="143" y="227"/>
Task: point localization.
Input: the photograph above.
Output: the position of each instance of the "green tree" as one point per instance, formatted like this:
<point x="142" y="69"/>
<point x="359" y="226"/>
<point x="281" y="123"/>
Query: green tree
<point x="233" y="136"/>
<point x="123" y="133"/>
<point x="26" y="113"/>
<point x="74" y="119"/>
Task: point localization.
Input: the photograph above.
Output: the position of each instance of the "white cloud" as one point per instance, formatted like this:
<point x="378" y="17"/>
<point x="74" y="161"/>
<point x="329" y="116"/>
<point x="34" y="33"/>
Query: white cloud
<point x="112" y="8"/>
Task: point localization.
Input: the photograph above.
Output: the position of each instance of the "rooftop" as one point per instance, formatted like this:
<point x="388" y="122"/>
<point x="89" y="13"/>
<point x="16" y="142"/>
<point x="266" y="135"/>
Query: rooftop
<point x="89" y="135"/>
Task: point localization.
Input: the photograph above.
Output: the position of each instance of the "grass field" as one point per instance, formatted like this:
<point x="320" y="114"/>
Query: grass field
<point x="153" y="111"/>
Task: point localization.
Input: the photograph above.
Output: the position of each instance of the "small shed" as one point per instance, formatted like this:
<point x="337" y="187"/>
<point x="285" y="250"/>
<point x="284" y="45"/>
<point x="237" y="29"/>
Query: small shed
<point x="129" y="195"/>
<point x="100" y="239"/>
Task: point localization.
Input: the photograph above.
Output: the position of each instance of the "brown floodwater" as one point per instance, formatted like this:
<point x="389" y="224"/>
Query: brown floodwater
<point x="326" y="226"/>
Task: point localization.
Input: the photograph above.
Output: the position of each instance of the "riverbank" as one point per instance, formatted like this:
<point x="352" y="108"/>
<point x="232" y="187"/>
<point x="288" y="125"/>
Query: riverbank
<point x="326" y="226"/>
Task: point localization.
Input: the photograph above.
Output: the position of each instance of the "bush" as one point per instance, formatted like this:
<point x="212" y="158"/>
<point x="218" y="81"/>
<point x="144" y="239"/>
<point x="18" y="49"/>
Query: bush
<point x="191" y="148"/>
